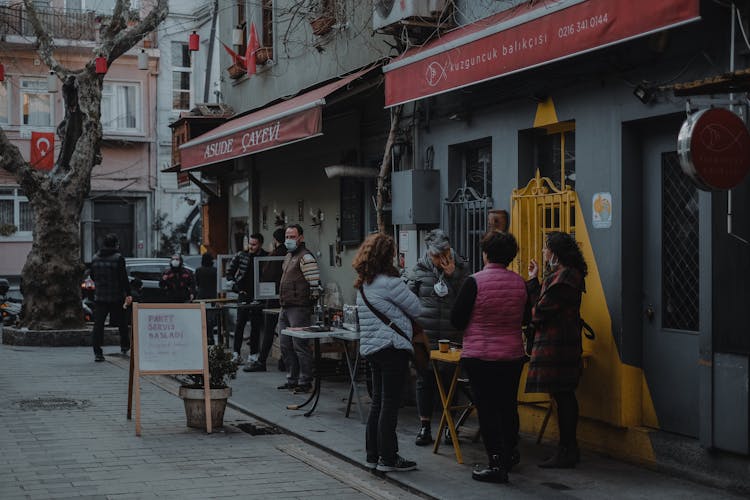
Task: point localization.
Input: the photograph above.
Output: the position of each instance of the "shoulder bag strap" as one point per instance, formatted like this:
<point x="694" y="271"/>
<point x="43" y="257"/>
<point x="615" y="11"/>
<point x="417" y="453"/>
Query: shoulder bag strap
<point x="382" y="317"/>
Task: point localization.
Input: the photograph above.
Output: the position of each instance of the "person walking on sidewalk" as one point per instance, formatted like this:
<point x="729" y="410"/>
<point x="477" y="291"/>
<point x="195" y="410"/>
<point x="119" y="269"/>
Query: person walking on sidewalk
<point x="111" y="295"/>
<point x="241" y="271"/>
<point x="205" y="288"/>
<point x="435" y="279"/>
<point x="491" y="306"/>
<point x="178" y="282"/>
<point x="271" y="273"/>
<point x="298" y="289"/>
<point x="383" y="294"/>
<point x="555" y="364"/>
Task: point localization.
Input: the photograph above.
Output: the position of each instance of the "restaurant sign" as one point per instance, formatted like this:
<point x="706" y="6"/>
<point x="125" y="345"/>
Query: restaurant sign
<point x="528" y="37"/>
<point x="244" y="139"/>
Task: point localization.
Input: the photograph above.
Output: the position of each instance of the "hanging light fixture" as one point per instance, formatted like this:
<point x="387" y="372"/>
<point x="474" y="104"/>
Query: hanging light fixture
<point x="237" y="36"/>
<point x="143" y="60"/>
<point x="2" y="72"/>
<point x="194" y="42"/>
<point x="51" y="82"/>
<point x="101" y="65"/>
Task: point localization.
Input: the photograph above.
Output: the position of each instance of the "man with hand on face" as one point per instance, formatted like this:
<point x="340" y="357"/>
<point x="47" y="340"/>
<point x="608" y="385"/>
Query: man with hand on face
<point x="242" y="271"/>
<point x="298" y="290"/>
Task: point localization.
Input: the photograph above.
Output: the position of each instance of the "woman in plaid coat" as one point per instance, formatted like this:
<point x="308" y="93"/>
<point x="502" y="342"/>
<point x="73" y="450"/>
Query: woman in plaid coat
<point x="555" y="364"/>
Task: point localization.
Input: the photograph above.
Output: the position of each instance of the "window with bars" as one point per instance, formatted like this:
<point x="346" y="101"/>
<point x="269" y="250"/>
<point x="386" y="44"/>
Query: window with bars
<point x="181" y="76"/>
<point x="4" y="103"/>
<point x="680" y="283"/>
<point x="15" y="210"/>
<point x="36" y="103"/>
<point x="267" y="29"/>
<point x="120" y="107"/>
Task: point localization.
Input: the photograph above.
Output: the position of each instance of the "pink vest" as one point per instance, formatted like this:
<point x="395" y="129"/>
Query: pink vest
<point x="494" y="330"/>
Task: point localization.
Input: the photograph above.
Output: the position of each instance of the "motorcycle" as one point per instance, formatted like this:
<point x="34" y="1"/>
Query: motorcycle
<point x="10" y="308"/>
<point x="87" y="298"/>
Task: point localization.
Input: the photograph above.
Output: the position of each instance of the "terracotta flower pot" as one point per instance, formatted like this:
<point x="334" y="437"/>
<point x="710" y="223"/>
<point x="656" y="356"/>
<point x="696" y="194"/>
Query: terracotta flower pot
<point x="263" y="54"/>
<point x="195" y="406"/>
<point x="235" y="71"/>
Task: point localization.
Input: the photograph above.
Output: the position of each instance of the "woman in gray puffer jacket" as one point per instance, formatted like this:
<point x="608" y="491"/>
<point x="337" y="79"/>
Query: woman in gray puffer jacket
<point x="387" y="351"/>
<point x="436" y="280"/>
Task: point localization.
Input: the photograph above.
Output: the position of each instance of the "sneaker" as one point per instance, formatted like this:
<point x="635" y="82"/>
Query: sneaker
<point x="254" y="367"/>
<point x="288" y="386"/>
<point x="424" y="436"/>
<point x="400" y="464"/>
<point x="371" y="463"/>
<point x="124" y="352"/>
<point x="99" y="358"/>
<point x="303" y="389"/>
<point x="236" y="359"/>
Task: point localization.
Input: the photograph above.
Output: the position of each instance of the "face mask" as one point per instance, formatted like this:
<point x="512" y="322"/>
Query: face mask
<point x="175" y="263"/>
<point x="441" y="289"/>
<point x="290" y="245"/>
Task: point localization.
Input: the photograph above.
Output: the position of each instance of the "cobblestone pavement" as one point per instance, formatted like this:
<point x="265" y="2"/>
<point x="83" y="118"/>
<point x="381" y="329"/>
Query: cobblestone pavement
<point x="64" y="434"/>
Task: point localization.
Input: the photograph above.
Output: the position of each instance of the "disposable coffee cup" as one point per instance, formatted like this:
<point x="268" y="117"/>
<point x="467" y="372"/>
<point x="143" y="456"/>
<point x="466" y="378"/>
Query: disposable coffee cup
<point x="444" y="345"/>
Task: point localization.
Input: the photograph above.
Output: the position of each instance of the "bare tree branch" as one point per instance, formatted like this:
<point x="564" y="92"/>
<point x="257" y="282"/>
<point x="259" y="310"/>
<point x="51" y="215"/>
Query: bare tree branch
<point x="127" y="38"/>
<point x="12" y="161"/>
<point x="46" y="44"/>
<point x="118" y="22"/>
<point x="385" y="166"/>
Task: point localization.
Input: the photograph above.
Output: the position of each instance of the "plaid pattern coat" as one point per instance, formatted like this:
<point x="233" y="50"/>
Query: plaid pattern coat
<point x="555" y="364"/>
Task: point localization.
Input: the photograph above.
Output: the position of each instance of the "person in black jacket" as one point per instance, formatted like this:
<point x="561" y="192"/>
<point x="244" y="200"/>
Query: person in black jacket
<point x="205" y="283"/>
<point x="178" y="281"/>
<point x="241" y="272"/>
<point x="112" y="294"/>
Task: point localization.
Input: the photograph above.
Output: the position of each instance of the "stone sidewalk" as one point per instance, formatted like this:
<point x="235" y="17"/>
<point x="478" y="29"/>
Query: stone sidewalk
<point x="64" y="434"/>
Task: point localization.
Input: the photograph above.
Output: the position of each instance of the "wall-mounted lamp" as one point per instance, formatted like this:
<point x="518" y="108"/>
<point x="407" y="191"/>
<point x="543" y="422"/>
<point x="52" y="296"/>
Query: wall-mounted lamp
<point x="51" y="82"/>
<point x="100" y="65"/>
<point x="143" y="60"/>
<point x="237" y="36"/>
<point x="643" y="93"/>
<point x="2" y="72"/>
<point x="194" y="41"/>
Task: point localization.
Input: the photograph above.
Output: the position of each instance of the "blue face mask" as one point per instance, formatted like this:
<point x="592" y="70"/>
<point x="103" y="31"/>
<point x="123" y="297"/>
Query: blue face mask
<point x="290" y="245"/>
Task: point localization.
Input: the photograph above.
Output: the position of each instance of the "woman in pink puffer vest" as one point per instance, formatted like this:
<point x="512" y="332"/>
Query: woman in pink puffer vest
<point x="491" y="307"/>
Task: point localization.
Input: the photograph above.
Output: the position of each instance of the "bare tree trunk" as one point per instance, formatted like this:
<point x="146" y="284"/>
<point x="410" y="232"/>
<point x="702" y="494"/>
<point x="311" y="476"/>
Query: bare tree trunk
<point x="385" y="166"/>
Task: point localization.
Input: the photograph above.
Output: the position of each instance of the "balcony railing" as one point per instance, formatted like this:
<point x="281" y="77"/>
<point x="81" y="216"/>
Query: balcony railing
<point x="60" y="23"/>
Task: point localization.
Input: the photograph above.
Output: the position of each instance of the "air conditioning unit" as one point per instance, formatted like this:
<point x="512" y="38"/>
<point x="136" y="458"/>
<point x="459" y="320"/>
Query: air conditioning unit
<point x="389" y="12"/>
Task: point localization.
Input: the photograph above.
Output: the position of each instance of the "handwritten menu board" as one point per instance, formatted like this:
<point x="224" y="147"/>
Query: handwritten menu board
<point x="170" y="339"/>
<point x="352" y="211"/>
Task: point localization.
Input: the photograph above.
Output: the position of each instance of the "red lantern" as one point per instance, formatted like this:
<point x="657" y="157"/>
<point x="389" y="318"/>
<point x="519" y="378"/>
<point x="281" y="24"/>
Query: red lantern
<point x="194" y="41"/>
<point x="2" y="72"/>
<point x="101" y="65"/>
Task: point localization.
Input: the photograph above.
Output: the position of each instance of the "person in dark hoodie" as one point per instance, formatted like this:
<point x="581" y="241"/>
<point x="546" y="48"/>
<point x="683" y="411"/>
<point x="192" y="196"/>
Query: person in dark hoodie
<point x="112" y="294"/>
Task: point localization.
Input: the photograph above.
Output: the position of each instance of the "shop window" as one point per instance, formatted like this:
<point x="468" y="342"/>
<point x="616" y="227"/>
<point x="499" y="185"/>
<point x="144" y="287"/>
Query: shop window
<point x="15" y="210"/>
<point x="181" y="76"/>
<point x="36" y="103"/>
<point x="4" y="103"/>
<point x="120" y="107"/>
<point x="550" y="149"/>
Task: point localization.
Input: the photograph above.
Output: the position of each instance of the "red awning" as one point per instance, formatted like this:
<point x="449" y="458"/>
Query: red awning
<point x="524" y="37"/>
<point x="289" y="121"/>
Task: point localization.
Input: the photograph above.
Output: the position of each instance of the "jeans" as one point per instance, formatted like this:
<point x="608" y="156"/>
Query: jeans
<point x="115" y="312"/>
<point x="269" y="330"/>
<point x="256" y="320"/>
<point x="296" y="353"/>
<point x="567" y="417"/>
<point x="427" y="393"/>
<point x="495" y="388"/>
<point x="389" y="368"/>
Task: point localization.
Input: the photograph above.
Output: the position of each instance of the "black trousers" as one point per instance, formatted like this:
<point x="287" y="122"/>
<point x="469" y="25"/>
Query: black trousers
<point x="256" y="322"/>
<point x="269" y="331"/>
<point x="567" y="417"/>
<point x="495" y="388"/>
<point x="389" y="368"/>
<point x="117" y="316"/>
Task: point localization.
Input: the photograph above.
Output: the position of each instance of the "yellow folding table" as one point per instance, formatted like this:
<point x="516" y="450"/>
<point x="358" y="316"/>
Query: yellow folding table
<point x="452" y="357"/>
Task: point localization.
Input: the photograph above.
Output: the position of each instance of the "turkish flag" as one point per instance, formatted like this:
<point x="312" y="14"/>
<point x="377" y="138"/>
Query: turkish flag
<point x="252" y="47"/>
<point x="42" y="150"/>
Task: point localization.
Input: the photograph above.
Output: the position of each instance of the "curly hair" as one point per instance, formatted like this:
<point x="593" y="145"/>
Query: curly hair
<point x="567" y="251"/>
<point x="375" y="256"/>
<point x="500" y="248"/>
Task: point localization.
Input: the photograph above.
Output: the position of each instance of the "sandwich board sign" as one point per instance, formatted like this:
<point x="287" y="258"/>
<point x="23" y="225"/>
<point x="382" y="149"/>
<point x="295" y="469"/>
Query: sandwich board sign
<point x="167" y="339"/>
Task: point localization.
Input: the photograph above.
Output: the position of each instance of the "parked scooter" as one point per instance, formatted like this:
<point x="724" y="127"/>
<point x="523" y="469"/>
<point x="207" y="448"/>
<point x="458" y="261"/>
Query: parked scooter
<point x="10" y="308"/>
<point x="87" y="298"/>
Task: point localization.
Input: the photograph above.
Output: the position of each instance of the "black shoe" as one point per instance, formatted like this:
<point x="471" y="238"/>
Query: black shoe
<point x="400" y="464"/>
<point x="288" y="386"/>
<point x="255" y="367"/>
<point x="490" y="474"/>
<point x="303" y="389"/>
<point x="424" y="436"/>
<point x="448" y="439"/>
<point x="564" y="458"/>
<point x="99" y="358"/>
<point x="513" y="460"/>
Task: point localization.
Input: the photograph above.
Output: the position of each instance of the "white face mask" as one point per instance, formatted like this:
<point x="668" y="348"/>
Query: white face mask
<point x="290" y="245"/>
<point x="441" y="289"/>
<point x="175" y="263"/>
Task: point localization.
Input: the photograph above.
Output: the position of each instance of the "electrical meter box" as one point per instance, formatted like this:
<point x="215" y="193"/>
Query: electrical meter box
<point x="416" y="197"/>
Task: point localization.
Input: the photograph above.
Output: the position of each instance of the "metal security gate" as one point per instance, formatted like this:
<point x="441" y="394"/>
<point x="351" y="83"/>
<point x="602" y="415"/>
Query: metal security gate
<point x="538" y="209"/>
<point x="465" y="217"/>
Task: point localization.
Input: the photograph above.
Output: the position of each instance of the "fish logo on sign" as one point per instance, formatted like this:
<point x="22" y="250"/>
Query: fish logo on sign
<point x="435" y="73"/>
<point x="42" y="150"/>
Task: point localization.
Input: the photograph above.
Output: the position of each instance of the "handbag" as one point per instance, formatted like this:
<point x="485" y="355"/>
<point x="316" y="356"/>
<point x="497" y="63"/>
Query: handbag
<point x="419" y="341"/>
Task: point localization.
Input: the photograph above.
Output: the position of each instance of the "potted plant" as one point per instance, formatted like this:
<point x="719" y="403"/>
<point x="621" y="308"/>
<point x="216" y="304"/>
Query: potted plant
<point x="236" y="71"/>
<point x="221" y="369"/>
<point x="263" y="54"/>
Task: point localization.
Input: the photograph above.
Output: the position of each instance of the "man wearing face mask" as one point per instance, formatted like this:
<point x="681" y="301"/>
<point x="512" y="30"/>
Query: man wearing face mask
<point x="436" y="280"/>
<point x="178" y="281"/>
<point x="241" y="270"/>
<point x="298" y="290"/>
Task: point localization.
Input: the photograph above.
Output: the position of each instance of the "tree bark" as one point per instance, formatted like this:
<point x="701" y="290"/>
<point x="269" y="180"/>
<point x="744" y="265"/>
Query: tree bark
<point x="385" y="166"/>
<point x="53" y="271"/>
